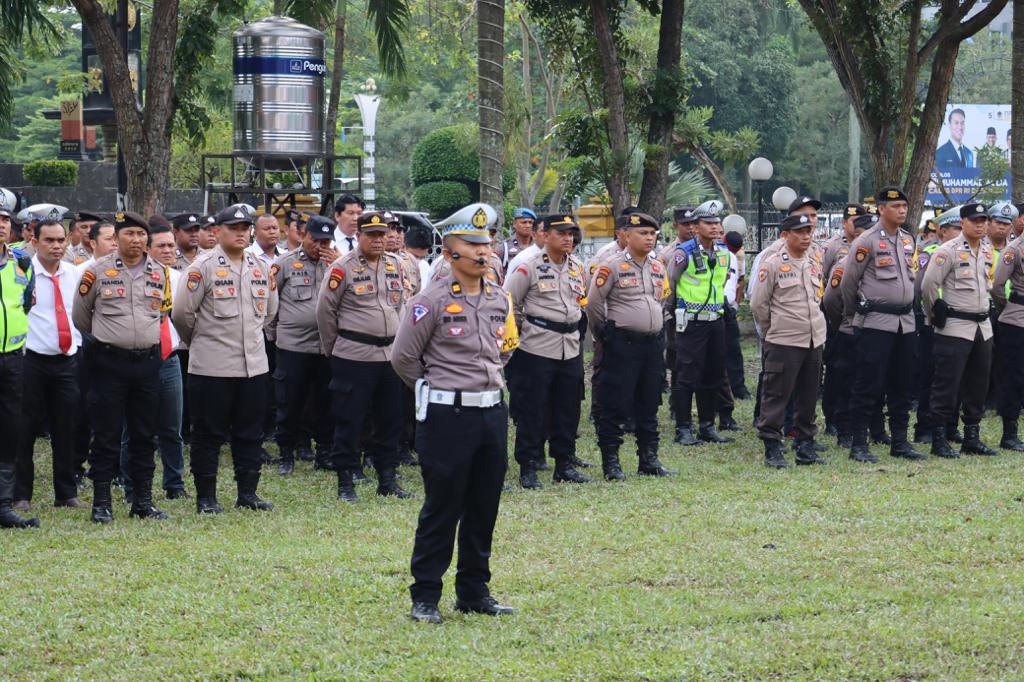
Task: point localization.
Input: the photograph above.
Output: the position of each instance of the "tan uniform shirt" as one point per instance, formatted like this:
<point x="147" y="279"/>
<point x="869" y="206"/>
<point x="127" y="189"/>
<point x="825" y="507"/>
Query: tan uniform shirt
<point x="118" y="308"/>
<point x="962" y="279"/>
<point x="220" y="310"/>
<point x="833" y="251"/>
<point x="182" y="262"/>
<point x="297" y="280"/>
<point x="412" y="274"/>
<point x="880" y="268"/>
<point x="665" y="254"/>
<point x="454" y="341"/>
<point x="541" y="288"/>
<point x="76" y="255"/>
<point x="628" y="293"/>
<point x="1010" y="267"/>
<point x="787" y="301"/>
<point x="832" y="303"/>
<point x="362" y="298"/>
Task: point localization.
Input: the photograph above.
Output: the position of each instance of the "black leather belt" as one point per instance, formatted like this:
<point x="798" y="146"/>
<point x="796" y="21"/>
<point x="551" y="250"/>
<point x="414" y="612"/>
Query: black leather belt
<point x="972" y="317"/>
<point x="887" y="308"/>
<point x="637" y="337"/>
<point x="130" y="355"/>
<point x="379" y="341"/>
<point x="551" y="325"/>
<point x="1016" y="298"/>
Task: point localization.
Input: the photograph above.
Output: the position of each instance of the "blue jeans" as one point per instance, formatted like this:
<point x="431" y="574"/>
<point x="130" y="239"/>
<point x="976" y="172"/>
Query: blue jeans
<point x="168" y="430"/>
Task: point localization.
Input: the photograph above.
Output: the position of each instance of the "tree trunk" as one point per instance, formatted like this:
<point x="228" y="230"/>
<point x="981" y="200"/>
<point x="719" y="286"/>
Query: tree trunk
<point x="923" y="160"/>
<point x="1017" y="113"/>
<point x="490" y="67"/>
<point x="331" y="127"/>
<point x="697" y="152"/>
<point x="143" y="136"/>
<point x="663" y="117"/>
<point x="615" y="103"/>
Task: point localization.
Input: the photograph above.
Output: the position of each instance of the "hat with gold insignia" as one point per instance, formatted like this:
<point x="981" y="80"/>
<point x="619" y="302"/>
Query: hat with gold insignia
<point x="890" y="193"/>
<point x="560" y="221"/>
<point x="854" y="210"/>
<point x="123" y="219"/>
<point x="372" y="221"/>
<point x="470" y="223"/>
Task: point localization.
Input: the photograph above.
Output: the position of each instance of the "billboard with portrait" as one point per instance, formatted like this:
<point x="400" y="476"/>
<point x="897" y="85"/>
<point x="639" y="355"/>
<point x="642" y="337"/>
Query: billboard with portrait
<point x="975" y="139"/>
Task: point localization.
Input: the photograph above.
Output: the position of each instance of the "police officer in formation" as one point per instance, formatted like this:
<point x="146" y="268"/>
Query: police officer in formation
<point x="1008" y="295"/>
<point x="523" y="221"/>
<point x="549" y="292"/>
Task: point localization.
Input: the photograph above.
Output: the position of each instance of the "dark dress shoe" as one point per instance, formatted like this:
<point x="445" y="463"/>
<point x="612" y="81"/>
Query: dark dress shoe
<point x="253" y="502"/>
<point x="286" y="467"/>
<point x="860" y="453"/>
<point x="147" y="512"/>
<point x="208" y="505"/>
<point x="807" y="454"/>
<point x="728" y="424"/>
<point x="102" y="515"/>
<point x="568" y="474"/>
<point x="707" y="433"/>
<point x="579" y="463"/>
<point x="70" y="503"/>
<point x="425" y="612"/>
<point x="774" y="455"/>
<point x="178" y="494"/>
<point x="387" y="485"/>
<point x="685" y="437"/>
<point x="903" y="450"/>
<point x="488" y="606"/>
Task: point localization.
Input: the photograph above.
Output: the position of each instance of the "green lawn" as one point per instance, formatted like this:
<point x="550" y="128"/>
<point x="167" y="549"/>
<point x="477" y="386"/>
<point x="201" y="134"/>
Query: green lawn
<point x="896" y="571"/>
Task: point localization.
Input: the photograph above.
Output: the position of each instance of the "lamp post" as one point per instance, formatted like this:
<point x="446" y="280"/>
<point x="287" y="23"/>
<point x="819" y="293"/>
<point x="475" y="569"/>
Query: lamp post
<point x="368" y="101"/>
<point x="760" y="170"/>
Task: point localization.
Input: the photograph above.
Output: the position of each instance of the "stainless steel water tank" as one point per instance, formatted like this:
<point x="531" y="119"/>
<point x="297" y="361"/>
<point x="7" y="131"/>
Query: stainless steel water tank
<point x="279" y="88"/>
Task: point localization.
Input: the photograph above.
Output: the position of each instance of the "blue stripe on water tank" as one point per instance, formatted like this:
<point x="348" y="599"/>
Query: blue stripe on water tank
<point x="289" y="66"/>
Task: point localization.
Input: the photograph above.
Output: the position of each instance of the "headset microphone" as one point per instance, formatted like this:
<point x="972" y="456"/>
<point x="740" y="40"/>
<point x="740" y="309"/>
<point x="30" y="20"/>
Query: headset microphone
<point x="481" y="261"/>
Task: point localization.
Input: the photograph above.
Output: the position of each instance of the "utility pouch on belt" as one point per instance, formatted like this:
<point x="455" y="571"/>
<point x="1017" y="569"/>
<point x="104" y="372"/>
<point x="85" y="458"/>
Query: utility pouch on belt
<point x="422" y="392"/>
<point x="940" y="313"/>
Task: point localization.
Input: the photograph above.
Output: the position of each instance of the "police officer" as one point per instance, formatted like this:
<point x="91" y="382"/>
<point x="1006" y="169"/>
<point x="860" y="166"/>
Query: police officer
<point x="697" y="274"/>
<point x="947" y="228"/>
<point x="184" y="226"/>
<point x="77" y="254"/>
<point x="1009" y="274"/>
<point x="303" y="372"/>
<point x="294" y="222"/>
<point x="357" y="315"/>
<point x="955" y="296"/>
<point x="122" y="299"/>
<point x="186" y="237"/>
<point x="451" y="346"/>
<point x="625" y="313"/>
<point x="222" y="304"/>
<point x="878" y="289"/>
<point x="207" y="240"/>
<point x="843" y="350"/>
<point x="16" y="282"/>
<point x="786" y="303"/>
<point x="548" y="290"/>
<point x="523" y="221"/>
<point x="999" y="226"/>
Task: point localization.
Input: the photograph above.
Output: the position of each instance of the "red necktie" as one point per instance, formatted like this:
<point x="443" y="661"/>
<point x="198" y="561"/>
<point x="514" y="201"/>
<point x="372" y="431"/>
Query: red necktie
<point x="165" y="339"/>
<point x="63" y="326"/>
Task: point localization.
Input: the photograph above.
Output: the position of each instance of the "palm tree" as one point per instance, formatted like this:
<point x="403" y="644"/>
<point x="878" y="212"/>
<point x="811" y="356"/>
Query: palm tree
<point x="490" y="69"/>
<point x="18" y="18"/>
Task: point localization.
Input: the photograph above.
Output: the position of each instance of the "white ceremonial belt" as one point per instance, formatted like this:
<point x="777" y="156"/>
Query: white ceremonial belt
<point x="702" y="317"/>
<point x="465" y="398"/>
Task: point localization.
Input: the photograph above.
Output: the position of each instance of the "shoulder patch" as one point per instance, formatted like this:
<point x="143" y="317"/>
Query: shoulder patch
<point x="274" y="269"/>
<point x="88" y="279"/>
<point x="419" y="311"/>
<point x="837" y="277"/>
<point x="940" y="259"/>
<point x="1009" y="257"/>
<point x="335" y="279"/>
<point x="194" y="278"/>
<point x="680" y="255"/>
<point x="862" y="253"/>
<point x="602" y="275"/>
<point x="762" y="274"/>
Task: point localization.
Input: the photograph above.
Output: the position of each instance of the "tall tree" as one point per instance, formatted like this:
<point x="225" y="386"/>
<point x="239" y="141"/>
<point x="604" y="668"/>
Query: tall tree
<point x="615" y="104"/>
<point x="491" y="100"/>
<point x="664" y="101"/>
<point x="881" y="53"/>
<point x="1017" y="104"/>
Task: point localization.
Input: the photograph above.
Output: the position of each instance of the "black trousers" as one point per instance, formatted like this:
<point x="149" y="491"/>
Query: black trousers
<point x="925" y="375"/>
<point x="884" y="364"/>
<point x="790" y="374"/>
<point x="226" y="410"/>
<point x="463" y="457"/>
<point x="301" y="381"/>
<point x="83" y="428"/>
<point x="733" y="352"/>
<point x="11" y="390"/>
<point x="186" y="414"/>
<point x="630" y="384"/>
<point x="963" y="379"/>
<point x="51" y="392"/>
<point x="124" y="393"/>
<point x="700" y="369"/>
<point x="839" y="379"/>
<point x="548" y="392"/>
<point x="828" y="387"/>
<point x="361" y="391"/>
<point x="270" y="408"/>
<point x="1011" y="394"/>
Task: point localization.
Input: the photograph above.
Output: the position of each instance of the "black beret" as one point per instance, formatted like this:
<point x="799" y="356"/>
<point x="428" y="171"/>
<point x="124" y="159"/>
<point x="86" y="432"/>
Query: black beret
<point x="372" y="221"/>
<point x="88" y="217"/>
<point x="866" y="221"/>
<point x="804" y="200"/>
<point x="638" y="219"/>
<point x="854" y="210"/>
<point x="184" y="221"/>
<point x="158" y="221"/>
<point x="124" y="219"/>
<point x="973" y="210"/>
<point x="794" y="222"/>
<point x="891" y="193"/>
<point x="319" y="227"/>
<point x="559" y="221"/>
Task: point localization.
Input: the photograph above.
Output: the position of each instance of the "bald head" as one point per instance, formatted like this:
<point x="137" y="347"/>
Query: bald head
<point x="267" y="232"/>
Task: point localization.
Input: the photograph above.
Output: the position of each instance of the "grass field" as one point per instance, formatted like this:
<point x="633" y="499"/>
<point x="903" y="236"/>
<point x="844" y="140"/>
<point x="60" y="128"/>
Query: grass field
<point x="894" y="571"/>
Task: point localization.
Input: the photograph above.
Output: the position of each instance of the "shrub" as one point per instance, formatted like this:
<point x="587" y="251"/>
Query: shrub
<point x="51" y="173"/>
<point x="449" y="153"/>
<point x="441" y="199"/>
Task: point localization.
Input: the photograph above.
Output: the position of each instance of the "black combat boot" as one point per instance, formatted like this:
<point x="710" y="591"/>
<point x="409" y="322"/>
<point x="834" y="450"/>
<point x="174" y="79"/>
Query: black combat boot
<point x="303" y="453"/>
<point x="247" y="498"/>
<point x="387" y="484"/>
<point x="649" y="464"/>
<point x="610" y="463"/>
<point x="972" y="442"/>
<point x="844" y="441"/>
<point x="8" y="517"/>
<point x="940" y="446"/>
<point x="565" y="472"/>
<point x="346" y="488"/>
<point x="953" y="435"/>
<point x="1010" y="441"/>
<point x="405" y="456"/>
<point x="901" y="448"/>
<point x="359" y="476"/>
<point x="830" y="429"/>
<point x="528" y="477"/>
<point x="142" y="500"/>
<point x="707" y="433"/>
<point x="286" y="465"/>
<point x="922" y="434"/>
<point x="807" y="454"/>
<point x="324" y="460"/>
<point x="684" y="435"/>
<point x="579" y="463"/>
<point x="727" y="423"/>
<point x="102" y="506"/>
<point x="541" y="463"/>
<point x="774" y="455"/>
<point x="859" y="449"/>
<point x="206" y="495"/>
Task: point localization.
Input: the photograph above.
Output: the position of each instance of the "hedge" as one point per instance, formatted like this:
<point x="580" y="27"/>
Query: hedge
<point x="453" y="153"/>
<point x="441" y="199"/>
<point x="51" y="173"/>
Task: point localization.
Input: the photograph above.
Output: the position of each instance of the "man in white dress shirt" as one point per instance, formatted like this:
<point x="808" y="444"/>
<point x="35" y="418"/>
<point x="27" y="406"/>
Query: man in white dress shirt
<point x="346" y="212"/>
<point x="50" y="369"/>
